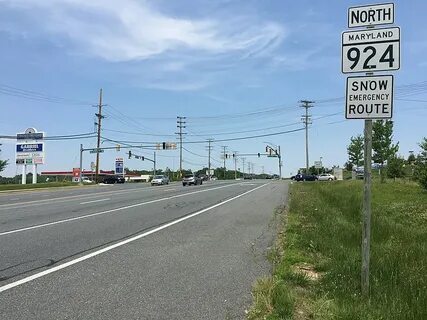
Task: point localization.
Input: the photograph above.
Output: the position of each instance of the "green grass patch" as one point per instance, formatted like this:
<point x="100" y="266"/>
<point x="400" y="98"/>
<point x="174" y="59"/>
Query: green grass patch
<point x="4" y="187"/>
<point x="318" y="258"/>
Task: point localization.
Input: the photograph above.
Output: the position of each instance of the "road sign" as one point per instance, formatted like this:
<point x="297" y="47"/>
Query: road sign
<point x="94" y="151"/>
<point x="371" y="15"/>
<point x="369" y="97"/>
<point x="318" y="164"/>
<point x="371" y="50"/>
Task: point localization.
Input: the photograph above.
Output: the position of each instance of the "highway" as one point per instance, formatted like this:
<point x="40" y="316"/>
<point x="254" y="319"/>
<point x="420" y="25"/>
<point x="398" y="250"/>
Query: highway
<point x="134" y="251"/>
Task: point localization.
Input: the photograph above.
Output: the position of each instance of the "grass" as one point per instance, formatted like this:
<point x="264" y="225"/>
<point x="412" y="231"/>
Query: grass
<point x="5" y="187"/>
<point x="317" y="259"/>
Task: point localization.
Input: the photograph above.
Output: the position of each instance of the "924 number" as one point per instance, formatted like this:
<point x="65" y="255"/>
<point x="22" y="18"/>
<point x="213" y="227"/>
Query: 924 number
<point x="354" y="55"/>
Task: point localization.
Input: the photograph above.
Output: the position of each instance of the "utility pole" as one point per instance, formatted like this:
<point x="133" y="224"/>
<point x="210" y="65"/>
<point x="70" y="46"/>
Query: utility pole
<point x="209" y="158"/>
<point x="224" y="153"/>
<point x="235" y="164"/>
<point x="98" y="143"/>
<point x="155" y="170"/>
<point x="243" y="167"/>
<point x="180" y="125"/>
<point x="306" y="119"/>
<point x="280" y="164"/>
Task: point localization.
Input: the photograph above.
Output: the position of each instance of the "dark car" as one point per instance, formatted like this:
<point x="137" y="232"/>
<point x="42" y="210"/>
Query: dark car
<point x="305" y="177"/>
<point x="190" y="179"/>
<point x="114" y="179"/>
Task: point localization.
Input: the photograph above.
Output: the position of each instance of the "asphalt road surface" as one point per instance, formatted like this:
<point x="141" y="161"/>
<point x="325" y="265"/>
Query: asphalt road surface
<point x="134" y="251"/>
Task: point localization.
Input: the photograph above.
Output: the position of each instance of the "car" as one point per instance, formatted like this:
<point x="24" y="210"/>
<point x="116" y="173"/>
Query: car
<point x="114" y="179"/>
<point x="305" y="177"/>
<point x="159" y="180"/>
<point x="86" y="180"/>
<point x="325" y="177"/>
<point x="190" y="179"/>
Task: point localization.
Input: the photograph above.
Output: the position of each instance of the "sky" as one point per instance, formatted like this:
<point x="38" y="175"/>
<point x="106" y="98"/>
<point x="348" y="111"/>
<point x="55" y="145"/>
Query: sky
<point x="233" y="68"/>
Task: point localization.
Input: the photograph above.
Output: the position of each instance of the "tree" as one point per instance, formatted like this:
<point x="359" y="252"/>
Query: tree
<point x="355" y="150"/>
<point x="411" y="159"/>
<point x="3" y="163"/>
<point x="421" y="165"/>
<point x="395" y="167"/>
<point x="423" y="146"/>
<point x="382" y="144"/>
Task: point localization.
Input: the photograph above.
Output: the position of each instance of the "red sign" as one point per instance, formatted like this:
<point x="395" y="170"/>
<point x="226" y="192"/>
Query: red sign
<point x="76" y="172"/>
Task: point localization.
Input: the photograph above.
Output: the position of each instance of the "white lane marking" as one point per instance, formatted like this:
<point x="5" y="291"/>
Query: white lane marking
<point x="119" y="244"/>
<point x="108" y="211"/>
<point x="169" y="189"/>
<point x="99" y="200"/>
<point x="69" y="198"/>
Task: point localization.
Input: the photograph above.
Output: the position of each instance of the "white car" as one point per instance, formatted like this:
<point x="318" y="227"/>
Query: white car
<point x="325" y="177"/>
<point x="86" y="180"/>
<point x="159" y="180"/>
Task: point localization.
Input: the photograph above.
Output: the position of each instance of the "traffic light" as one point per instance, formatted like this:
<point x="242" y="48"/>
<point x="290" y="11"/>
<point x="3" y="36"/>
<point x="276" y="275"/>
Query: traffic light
<point x="226" y="156"/>
<point x="234" y="155"/>
<point x="259" y="154"/>
<point x="164" y="145"/>
<point x="266" y="149"/>
<point x="142" y="158"/>
<point x="130" y="154"/>
<point x="117" y="147"/>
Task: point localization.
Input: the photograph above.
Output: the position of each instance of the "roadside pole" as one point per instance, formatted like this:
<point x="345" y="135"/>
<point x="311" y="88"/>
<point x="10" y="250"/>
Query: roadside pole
<point x="154" y="158"/>
<point x="81" y="164"/>
<point x="280" y="164"/>
<point x="366" y="215"/>
<point x="24" y="174"/>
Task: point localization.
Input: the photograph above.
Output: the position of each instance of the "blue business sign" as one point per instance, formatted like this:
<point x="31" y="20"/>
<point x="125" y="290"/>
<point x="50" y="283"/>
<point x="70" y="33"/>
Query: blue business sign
<point x="29" y="147"/>
<point x="119" y="166"/>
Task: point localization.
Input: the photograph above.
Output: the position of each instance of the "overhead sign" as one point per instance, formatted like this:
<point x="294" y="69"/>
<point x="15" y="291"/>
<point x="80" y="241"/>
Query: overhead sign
<point x="96" y="150"/>
<point x="371" y="15"/>
<point x="369" y="97"/>
<point x="371" y="50"/>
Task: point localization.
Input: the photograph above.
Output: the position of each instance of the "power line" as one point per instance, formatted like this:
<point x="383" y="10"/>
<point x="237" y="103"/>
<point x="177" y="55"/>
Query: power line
<point x="38" y="96"/>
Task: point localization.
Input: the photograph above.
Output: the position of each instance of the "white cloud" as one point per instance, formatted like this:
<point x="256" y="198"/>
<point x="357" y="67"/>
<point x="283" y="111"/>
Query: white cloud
<point x="133" y="30"/>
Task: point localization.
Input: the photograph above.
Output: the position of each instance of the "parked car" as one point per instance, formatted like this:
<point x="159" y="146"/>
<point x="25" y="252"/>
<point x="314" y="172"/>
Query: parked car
<point x="305" y="177"/>
<point x="86" y="180"/>
<point x="114" y="179"/>
<point x="159" y="180"/>
<point x="190" y="179"/>
<point x="325" y="177"/>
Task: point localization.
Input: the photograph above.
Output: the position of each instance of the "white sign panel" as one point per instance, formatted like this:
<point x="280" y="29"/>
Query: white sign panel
<point x="318" y="164"/>
<point x="369" y="97"/>
<point x="371" y="15"/>
<point x="371" y="50"/>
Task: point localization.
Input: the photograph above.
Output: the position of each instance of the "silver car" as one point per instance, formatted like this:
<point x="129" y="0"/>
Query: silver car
<point x="325" y="177"/>
<point x="159" y="180"/>
<point x="190" y="179"/>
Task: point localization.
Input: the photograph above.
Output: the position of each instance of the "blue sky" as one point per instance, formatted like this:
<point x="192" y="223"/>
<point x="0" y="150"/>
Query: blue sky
<point x="159" y="59"/>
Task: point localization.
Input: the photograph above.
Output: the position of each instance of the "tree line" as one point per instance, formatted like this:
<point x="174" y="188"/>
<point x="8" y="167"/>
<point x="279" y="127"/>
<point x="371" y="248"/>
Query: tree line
<point x="385" y="154"/>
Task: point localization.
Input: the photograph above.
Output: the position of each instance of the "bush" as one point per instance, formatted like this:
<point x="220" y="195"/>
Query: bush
<point x="395" y="168"/>
<point x="421" y="174"/>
